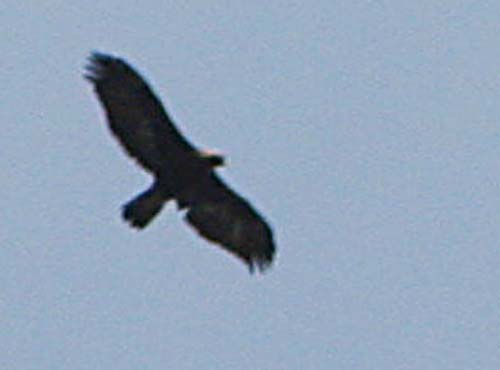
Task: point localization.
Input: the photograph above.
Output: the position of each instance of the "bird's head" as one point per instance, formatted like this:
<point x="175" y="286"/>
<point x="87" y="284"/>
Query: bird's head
<point x="215" y="159"/>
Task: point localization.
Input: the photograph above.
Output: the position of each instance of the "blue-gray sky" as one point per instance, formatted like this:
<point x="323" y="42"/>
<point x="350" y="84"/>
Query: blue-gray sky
<point x="367" y="132"/>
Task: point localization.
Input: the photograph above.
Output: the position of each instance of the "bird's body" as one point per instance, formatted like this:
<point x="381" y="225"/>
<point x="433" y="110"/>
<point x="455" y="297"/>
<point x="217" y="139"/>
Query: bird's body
<point x="182" y="173"/>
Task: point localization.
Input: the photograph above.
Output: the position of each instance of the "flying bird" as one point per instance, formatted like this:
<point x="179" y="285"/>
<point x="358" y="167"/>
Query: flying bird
<point x="182" y="173"/>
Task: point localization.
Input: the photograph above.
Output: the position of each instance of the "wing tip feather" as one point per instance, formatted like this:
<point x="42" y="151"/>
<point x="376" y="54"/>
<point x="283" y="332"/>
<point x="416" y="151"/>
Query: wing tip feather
<point x="99" y="66"/>
<point x="263" y="262"/>
<point x="260" y="258"/>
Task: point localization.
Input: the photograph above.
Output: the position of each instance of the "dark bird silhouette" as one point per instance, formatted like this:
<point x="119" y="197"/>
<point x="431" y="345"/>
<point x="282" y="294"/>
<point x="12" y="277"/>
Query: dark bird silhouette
<point x="181" y="172"/>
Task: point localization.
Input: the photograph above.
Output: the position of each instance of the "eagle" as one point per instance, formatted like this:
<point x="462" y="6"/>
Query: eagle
<point x="182" y="173"/>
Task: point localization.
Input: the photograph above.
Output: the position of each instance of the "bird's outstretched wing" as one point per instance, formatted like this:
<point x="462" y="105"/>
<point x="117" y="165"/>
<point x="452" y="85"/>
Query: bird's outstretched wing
<point x="135" y="115"/>
<point x="222" y="216"/>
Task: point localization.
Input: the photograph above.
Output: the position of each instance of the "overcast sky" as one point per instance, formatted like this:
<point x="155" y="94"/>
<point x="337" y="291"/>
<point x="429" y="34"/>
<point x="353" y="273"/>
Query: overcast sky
<point x="367" y="132"/>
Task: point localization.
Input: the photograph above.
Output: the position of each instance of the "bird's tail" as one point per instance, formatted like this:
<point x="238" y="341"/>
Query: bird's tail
<point x="142" y="209"/>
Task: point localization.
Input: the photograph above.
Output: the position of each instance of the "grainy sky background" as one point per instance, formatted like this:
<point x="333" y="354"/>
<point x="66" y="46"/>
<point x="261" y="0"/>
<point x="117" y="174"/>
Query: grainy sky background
<point x="367" y="132"/>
